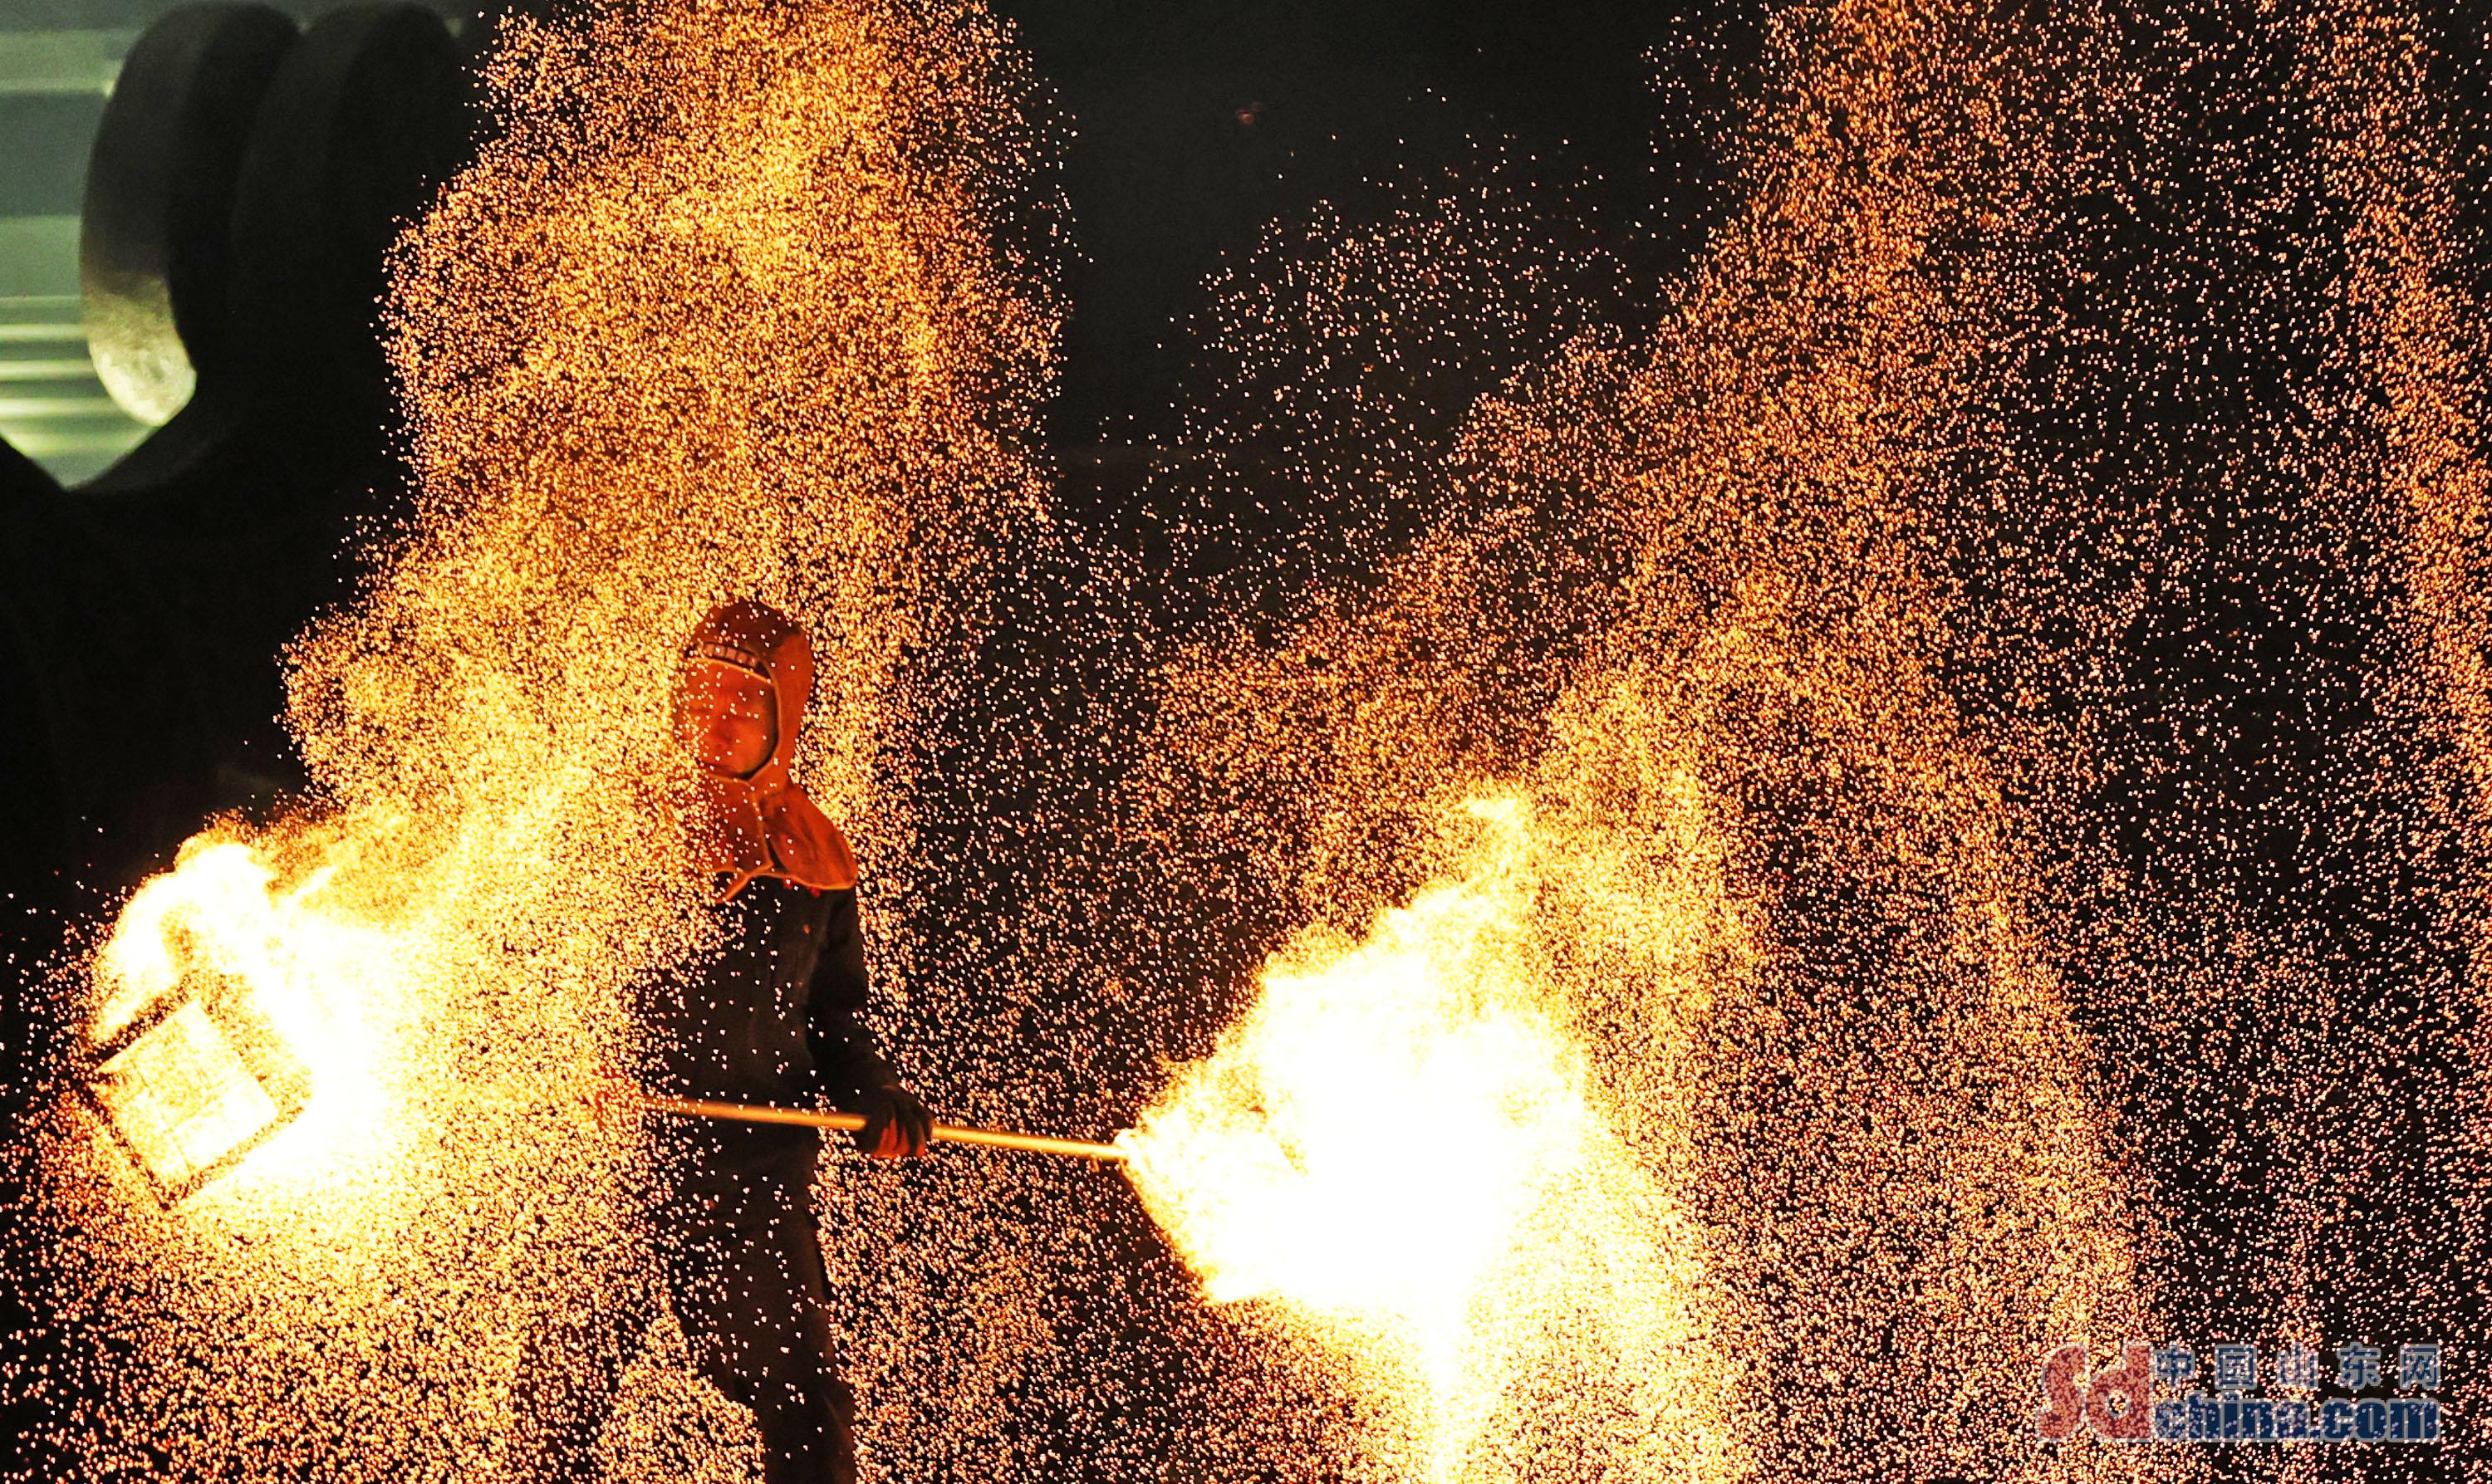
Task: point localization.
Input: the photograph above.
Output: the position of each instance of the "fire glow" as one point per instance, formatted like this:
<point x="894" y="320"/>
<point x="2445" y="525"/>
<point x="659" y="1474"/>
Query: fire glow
<point x="1730" y="1049"/>
<point x="1398" y="1146"/>
<point x="1371" y="1137"/>
<point x="246" y="1024"/>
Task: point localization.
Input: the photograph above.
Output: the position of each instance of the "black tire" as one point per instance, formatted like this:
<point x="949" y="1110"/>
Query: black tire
<point x="155" y="233"/>
<point x="366" y="116"/>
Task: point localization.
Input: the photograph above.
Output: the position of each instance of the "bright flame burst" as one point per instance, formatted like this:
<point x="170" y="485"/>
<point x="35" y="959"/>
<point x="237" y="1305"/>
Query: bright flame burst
<point x="1399" y="1146"/>
<point x="1370" y="1138"/>
<point x="223" y="926"/>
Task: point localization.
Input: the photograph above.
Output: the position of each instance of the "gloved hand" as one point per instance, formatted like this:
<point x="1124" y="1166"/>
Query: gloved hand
<point x="896" y="1123"/>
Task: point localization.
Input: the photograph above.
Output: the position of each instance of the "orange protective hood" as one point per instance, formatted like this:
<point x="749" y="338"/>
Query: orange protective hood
<point x="762" y="824"/>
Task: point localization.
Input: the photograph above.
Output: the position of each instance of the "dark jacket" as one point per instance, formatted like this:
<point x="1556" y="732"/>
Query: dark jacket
<point x="776" y="1019"/>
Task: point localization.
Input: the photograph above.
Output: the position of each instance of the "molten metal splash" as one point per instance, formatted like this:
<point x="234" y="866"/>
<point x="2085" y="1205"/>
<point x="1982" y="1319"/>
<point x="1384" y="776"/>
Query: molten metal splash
<point x="1399" y="1147"/>
<point x="220" y="929"/>
<point x="1370" y="1138"/>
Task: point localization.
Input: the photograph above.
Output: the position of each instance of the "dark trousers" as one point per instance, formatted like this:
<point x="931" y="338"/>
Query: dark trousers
<point x="743" y="1268"/>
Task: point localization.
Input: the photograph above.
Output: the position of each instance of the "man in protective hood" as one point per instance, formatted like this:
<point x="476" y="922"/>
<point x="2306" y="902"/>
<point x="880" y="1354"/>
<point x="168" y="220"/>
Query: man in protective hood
<point x="774" y="1019"/>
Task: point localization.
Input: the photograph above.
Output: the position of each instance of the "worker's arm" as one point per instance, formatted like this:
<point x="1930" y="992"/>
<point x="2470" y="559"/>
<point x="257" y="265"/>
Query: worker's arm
<point x="853" y="1072"/>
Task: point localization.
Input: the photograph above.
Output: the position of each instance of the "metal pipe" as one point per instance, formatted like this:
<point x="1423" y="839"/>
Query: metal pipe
<point x="948" y="1132"/>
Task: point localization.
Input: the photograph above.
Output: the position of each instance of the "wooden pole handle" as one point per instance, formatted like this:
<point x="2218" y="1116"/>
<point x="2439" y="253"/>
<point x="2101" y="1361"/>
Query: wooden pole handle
<point x="948" y="1132"/>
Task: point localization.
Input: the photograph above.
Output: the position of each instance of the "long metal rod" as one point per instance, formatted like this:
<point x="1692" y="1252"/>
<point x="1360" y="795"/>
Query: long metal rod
<point x="949" y="1133"/>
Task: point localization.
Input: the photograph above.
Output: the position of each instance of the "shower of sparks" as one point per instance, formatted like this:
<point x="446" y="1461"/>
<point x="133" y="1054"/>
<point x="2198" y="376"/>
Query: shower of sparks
<point x="1685" y="609"/>
<point x="663" y="344"/>
<point x="1692" y="921"/>
<point x="1847" y="562"/>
